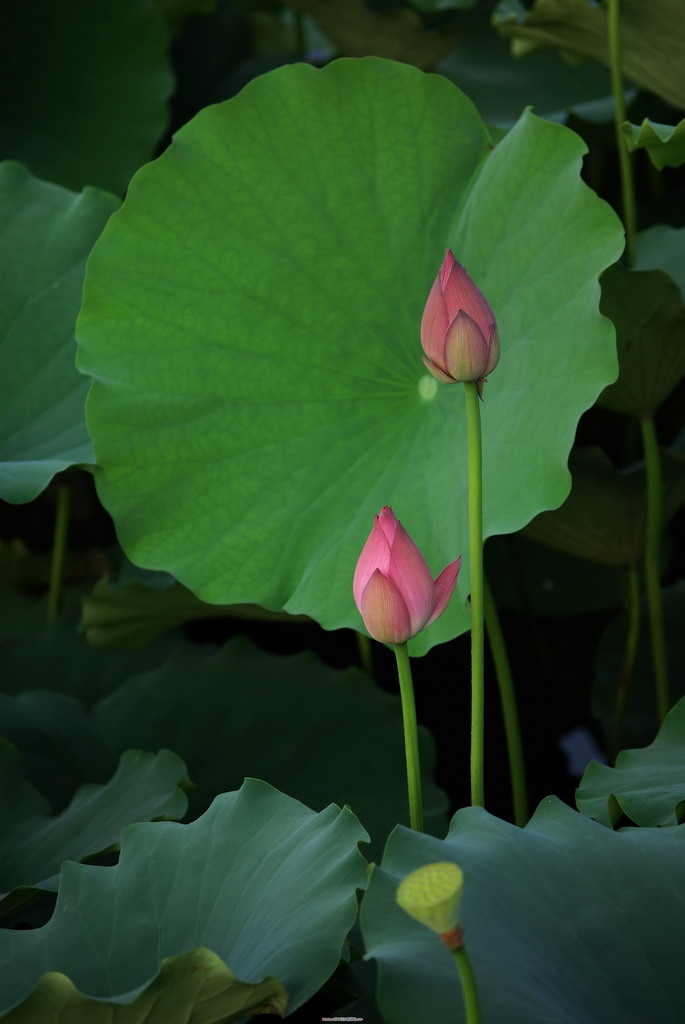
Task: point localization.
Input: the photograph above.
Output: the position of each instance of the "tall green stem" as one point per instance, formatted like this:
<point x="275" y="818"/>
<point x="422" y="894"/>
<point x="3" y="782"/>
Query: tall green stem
<point x="510" y="713"/>
<point x="632" y="637"/>
<point x="624" y="159"/>
<point x="653" y="563"/>
<point x="411" y="737"/>
<point x="59" y="544"/>
<point x="475" y="457"/>
<point x="300" y="35"/>
<point x="468" y="986"/>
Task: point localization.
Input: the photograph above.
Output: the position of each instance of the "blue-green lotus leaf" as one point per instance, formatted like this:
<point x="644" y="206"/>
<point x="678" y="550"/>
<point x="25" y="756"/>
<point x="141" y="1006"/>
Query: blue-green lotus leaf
<point x="564" y="921"/>
<point x="46" y="233"/>
<point x="260" y="880"/>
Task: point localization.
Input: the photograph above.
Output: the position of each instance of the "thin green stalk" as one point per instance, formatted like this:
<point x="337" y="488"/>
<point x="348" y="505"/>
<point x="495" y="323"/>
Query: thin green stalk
<point x="411" y="737"/>
<point x="300" y="36"/>
<point x="653" y="563"/>
<point x="59" y="545"/>
<point x="365" y="653"/>
<point x="510" y="713"/>
<point x="632" y="637"/>
<point x="624" y="159"/>
<point x="468" y="986"/>
<point x="475" y="472"/>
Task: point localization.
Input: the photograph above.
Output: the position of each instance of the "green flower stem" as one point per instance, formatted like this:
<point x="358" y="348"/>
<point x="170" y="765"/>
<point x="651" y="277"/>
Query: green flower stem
<point x="653" y="563"/>
<point x="510" y="713"/>
<point x="624" y="159"/>
<point x="59" y="544"/>
<point x="626" y="675"/>
<point x="476" y="568"/>
<point x="300" y="36"/>
<point x="411" y="737"/>
<point x="468" y="986"/>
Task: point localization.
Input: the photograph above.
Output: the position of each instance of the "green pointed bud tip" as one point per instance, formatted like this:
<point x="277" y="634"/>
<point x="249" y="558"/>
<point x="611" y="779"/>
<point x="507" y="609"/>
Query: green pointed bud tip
<point x="432" y="895"/>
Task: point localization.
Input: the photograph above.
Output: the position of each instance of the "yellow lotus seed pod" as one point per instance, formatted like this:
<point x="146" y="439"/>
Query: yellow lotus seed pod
<point x="432" y="895"/>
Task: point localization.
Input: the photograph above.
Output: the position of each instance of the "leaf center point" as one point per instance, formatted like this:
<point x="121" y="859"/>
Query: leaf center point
<point x="428" y="387"/>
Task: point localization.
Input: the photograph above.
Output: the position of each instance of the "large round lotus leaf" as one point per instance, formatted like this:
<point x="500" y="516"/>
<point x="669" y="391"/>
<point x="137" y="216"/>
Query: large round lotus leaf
<point x="261" y="880"/>
<point x="565" y="922"/>
<point x="46" y="233"/>
<point x="251" y="322"/>
<point x="646" y="785"/>
<point x="84" y="85"/>
<point x="317" y="733"/>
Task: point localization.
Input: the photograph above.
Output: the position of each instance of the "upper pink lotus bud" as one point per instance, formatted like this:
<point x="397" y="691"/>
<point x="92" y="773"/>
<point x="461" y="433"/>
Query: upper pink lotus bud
<point x="458" y="329"/>
<point x="393" y="586"/>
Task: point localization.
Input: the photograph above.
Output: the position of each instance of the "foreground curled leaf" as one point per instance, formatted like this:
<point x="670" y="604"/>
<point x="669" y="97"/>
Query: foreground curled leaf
<point x="196" y="986"/>
<point x="647" y="785"/>
<point x="266" y="884"/>
<point x="33" y="844"/>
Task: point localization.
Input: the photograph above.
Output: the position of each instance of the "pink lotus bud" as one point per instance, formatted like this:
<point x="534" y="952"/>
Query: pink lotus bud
<point x="393" y="587"/>
<point x="458" y="329"/>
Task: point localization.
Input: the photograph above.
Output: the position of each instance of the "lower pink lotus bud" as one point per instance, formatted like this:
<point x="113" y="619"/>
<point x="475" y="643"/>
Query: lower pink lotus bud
<point x="393" y="587"/>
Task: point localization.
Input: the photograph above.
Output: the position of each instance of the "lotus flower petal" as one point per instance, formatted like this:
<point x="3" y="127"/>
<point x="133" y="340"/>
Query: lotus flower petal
<point x="438" y="373"/>
<point x="385" y="614"/>
<point x="434" y="323"/>
<point x="494" y="350"/>
<point x="444" y="588"/>
<point x="410" y="574"/>
<point x="461" y="293"/>
<point x="375" y="555"/>
<point x="388" y="523"/>
<point x="466" y="350"/>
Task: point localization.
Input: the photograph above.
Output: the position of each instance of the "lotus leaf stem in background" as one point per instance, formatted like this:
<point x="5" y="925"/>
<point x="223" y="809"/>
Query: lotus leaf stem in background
<point x="365" y="653"/>
<point x="653" y="563"/>
<point x="59" y="544"/>
<point x="624" y="158"/>
<point x="411" y="738"/>
<point x="468" y="985"/>
<point x="510" y="713"/>
<point x="632" y="637"/>
<point x="475" y="471"/>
